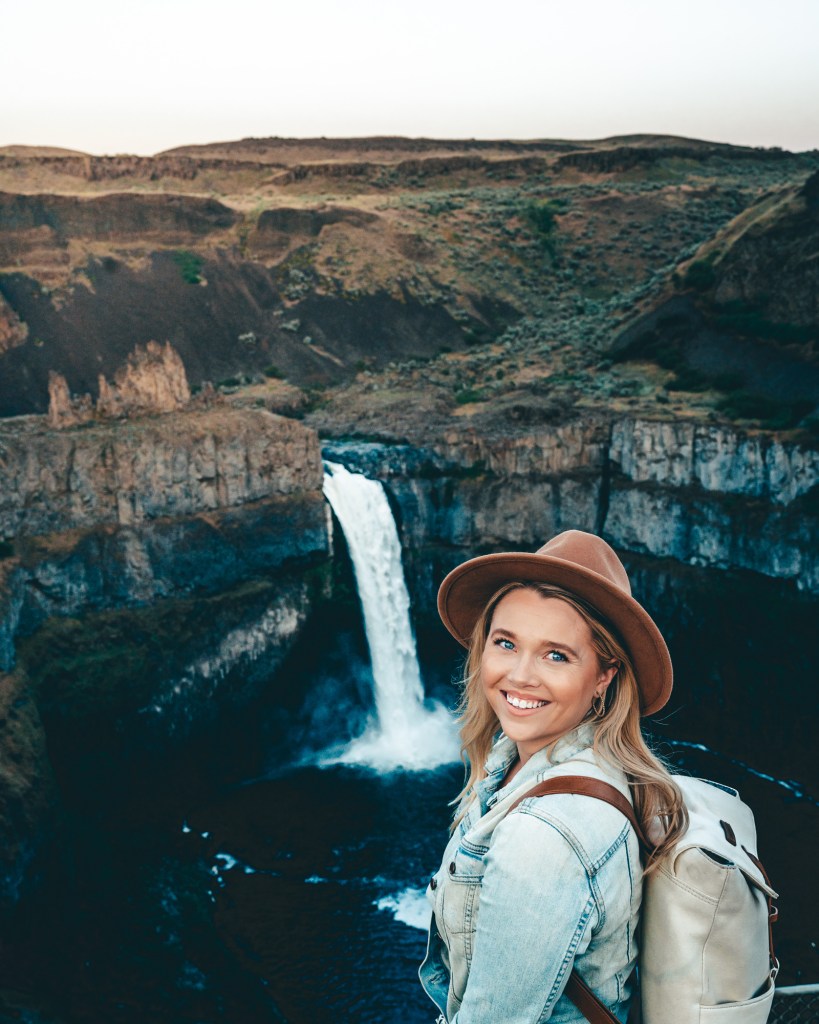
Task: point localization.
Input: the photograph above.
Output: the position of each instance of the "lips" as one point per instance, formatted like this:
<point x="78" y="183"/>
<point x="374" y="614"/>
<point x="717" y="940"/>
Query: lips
<point x="522" y="703"/>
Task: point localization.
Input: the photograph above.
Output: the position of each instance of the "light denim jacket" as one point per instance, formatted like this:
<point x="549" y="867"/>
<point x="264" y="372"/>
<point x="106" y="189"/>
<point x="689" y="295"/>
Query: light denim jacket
<point x="522" y="898"/>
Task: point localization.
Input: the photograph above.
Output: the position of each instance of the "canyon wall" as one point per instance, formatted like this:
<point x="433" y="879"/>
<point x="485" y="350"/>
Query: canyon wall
<point x="700" y="495"/>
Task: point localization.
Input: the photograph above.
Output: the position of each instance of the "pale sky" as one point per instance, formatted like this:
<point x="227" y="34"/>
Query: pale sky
<point x="108" y="77"/>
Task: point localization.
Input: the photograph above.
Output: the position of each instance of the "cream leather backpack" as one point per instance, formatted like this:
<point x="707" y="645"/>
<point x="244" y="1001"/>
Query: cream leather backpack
<point x="706" y="953"/>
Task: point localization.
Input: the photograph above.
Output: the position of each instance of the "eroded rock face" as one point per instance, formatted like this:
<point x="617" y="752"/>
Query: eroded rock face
<point x="772" y="264"/>
<point x="169" y="466"/>
<point x="710" y="496"/>
<point x="153" y="380"/>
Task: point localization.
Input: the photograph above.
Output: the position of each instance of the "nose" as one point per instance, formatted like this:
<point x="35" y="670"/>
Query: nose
<point x="522" y="671"/>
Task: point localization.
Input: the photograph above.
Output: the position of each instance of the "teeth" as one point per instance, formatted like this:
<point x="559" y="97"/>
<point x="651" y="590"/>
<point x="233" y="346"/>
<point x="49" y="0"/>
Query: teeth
<point x="516" y="702"/>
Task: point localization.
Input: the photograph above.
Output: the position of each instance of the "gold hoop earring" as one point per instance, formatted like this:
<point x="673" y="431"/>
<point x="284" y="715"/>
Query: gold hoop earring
<point x="599" y="704"/>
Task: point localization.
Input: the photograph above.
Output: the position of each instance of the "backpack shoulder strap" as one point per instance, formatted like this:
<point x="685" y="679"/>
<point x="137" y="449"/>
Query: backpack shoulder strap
<point x="583" y="785"/>
<point x="587" y="1002"/>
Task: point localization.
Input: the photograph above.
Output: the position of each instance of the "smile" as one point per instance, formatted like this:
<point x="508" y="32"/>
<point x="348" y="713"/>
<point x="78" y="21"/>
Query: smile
<point x="525" y="705"/>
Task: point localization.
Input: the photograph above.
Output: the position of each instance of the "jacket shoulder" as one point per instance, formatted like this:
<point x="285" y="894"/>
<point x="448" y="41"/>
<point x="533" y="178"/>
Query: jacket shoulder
<point x="593" y="827"/>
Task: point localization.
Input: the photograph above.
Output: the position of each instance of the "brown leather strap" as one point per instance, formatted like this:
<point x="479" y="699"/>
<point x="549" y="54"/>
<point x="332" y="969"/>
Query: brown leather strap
<point x="582" y="785"/>
<point x="773" y="912"/>
<point x="587" y="1002"/>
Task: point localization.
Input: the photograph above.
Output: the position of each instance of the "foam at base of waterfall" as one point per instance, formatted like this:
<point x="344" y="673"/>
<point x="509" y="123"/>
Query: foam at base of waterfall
<point x="425" y="740"/>
<point x="410" y="907"/>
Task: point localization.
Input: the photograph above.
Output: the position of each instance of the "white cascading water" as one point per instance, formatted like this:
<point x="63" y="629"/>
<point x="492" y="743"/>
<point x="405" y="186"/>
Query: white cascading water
<point x="407" y="732"/>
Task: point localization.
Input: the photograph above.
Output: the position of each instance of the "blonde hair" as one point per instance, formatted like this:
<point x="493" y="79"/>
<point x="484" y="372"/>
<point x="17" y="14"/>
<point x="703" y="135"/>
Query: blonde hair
<point x="618" y="737"/>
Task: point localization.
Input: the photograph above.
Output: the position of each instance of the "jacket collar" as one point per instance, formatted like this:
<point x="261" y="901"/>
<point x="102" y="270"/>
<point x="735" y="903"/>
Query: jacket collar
<point x="505" y="751"/>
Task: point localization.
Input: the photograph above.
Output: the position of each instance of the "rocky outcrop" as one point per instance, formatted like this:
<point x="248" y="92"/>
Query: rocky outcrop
<point x="117" y="515"/>
<point x="279" y="229"/>
<point x="714" y="497"/>
<point x="12" y="330"/>
<point x="152" y="381"/>
<point x="64" y="410"/>
<point x="770" y="265"/>
<point x="410" y="171"/>
<point x="617" y="159"/>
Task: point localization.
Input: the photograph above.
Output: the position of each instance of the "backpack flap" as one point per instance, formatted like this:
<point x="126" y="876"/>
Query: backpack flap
<point x="723" y="826"/>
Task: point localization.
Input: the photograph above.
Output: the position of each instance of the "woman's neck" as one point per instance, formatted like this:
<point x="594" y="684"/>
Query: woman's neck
<point x="514" y="768"/>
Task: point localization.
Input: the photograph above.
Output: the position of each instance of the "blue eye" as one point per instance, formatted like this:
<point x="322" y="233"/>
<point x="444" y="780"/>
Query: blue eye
<point x="501" y="641"/>
<point x="557" y="656"/>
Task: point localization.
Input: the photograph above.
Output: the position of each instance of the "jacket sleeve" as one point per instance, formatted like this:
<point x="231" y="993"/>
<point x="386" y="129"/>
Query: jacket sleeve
<point x="537" y="910"/>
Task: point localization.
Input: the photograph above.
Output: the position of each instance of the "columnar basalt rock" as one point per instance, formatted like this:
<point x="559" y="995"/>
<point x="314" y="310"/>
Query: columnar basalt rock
<point x="166" y="466"/>
<point x="670" y="490"/>
<point x="715" y="458"/>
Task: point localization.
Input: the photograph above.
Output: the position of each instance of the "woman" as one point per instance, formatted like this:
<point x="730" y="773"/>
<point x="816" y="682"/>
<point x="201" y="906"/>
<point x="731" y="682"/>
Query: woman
<point x="562" y="662"/>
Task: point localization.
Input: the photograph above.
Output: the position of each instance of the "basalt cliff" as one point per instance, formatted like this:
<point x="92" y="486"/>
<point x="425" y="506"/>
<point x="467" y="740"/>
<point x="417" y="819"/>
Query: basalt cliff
<point x="155" y="572"/>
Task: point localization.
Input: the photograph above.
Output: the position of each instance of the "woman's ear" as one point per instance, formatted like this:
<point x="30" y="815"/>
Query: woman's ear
<point x="608" y="674"/>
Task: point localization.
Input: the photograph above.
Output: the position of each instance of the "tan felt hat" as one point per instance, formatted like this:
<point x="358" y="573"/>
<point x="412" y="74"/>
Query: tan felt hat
<point x="583" y="564"/>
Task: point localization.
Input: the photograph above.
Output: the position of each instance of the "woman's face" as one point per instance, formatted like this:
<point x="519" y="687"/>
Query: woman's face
<point x="539" y="670"/>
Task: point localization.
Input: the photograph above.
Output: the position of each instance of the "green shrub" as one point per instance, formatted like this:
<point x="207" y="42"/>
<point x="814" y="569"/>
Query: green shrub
<point x="541" y="215"/>
<point x="273" y="371"/>
<point x="6" y="549"/>
<point x="189" y="265"/>
<point x="467" y="395"/>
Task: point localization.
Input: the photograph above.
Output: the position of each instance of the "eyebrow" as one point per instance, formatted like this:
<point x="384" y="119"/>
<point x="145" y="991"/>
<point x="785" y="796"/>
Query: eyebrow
<point x="551" y="644"/>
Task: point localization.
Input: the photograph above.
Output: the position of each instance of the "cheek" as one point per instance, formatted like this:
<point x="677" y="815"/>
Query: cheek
<point x="570" y="689"/>
<point x="491" y="664"/>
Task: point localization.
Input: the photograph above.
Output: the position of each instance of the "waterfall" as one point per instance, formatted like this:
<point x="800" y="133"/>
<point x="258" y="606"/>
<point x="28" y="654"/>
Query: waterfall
<point x="407" y="731"/>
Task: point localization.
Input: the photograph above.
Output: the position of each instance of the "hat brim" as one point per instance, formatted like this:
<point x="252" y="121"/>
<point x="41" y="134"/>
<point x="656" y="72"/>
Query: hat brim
<point x="465" y="592"/>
